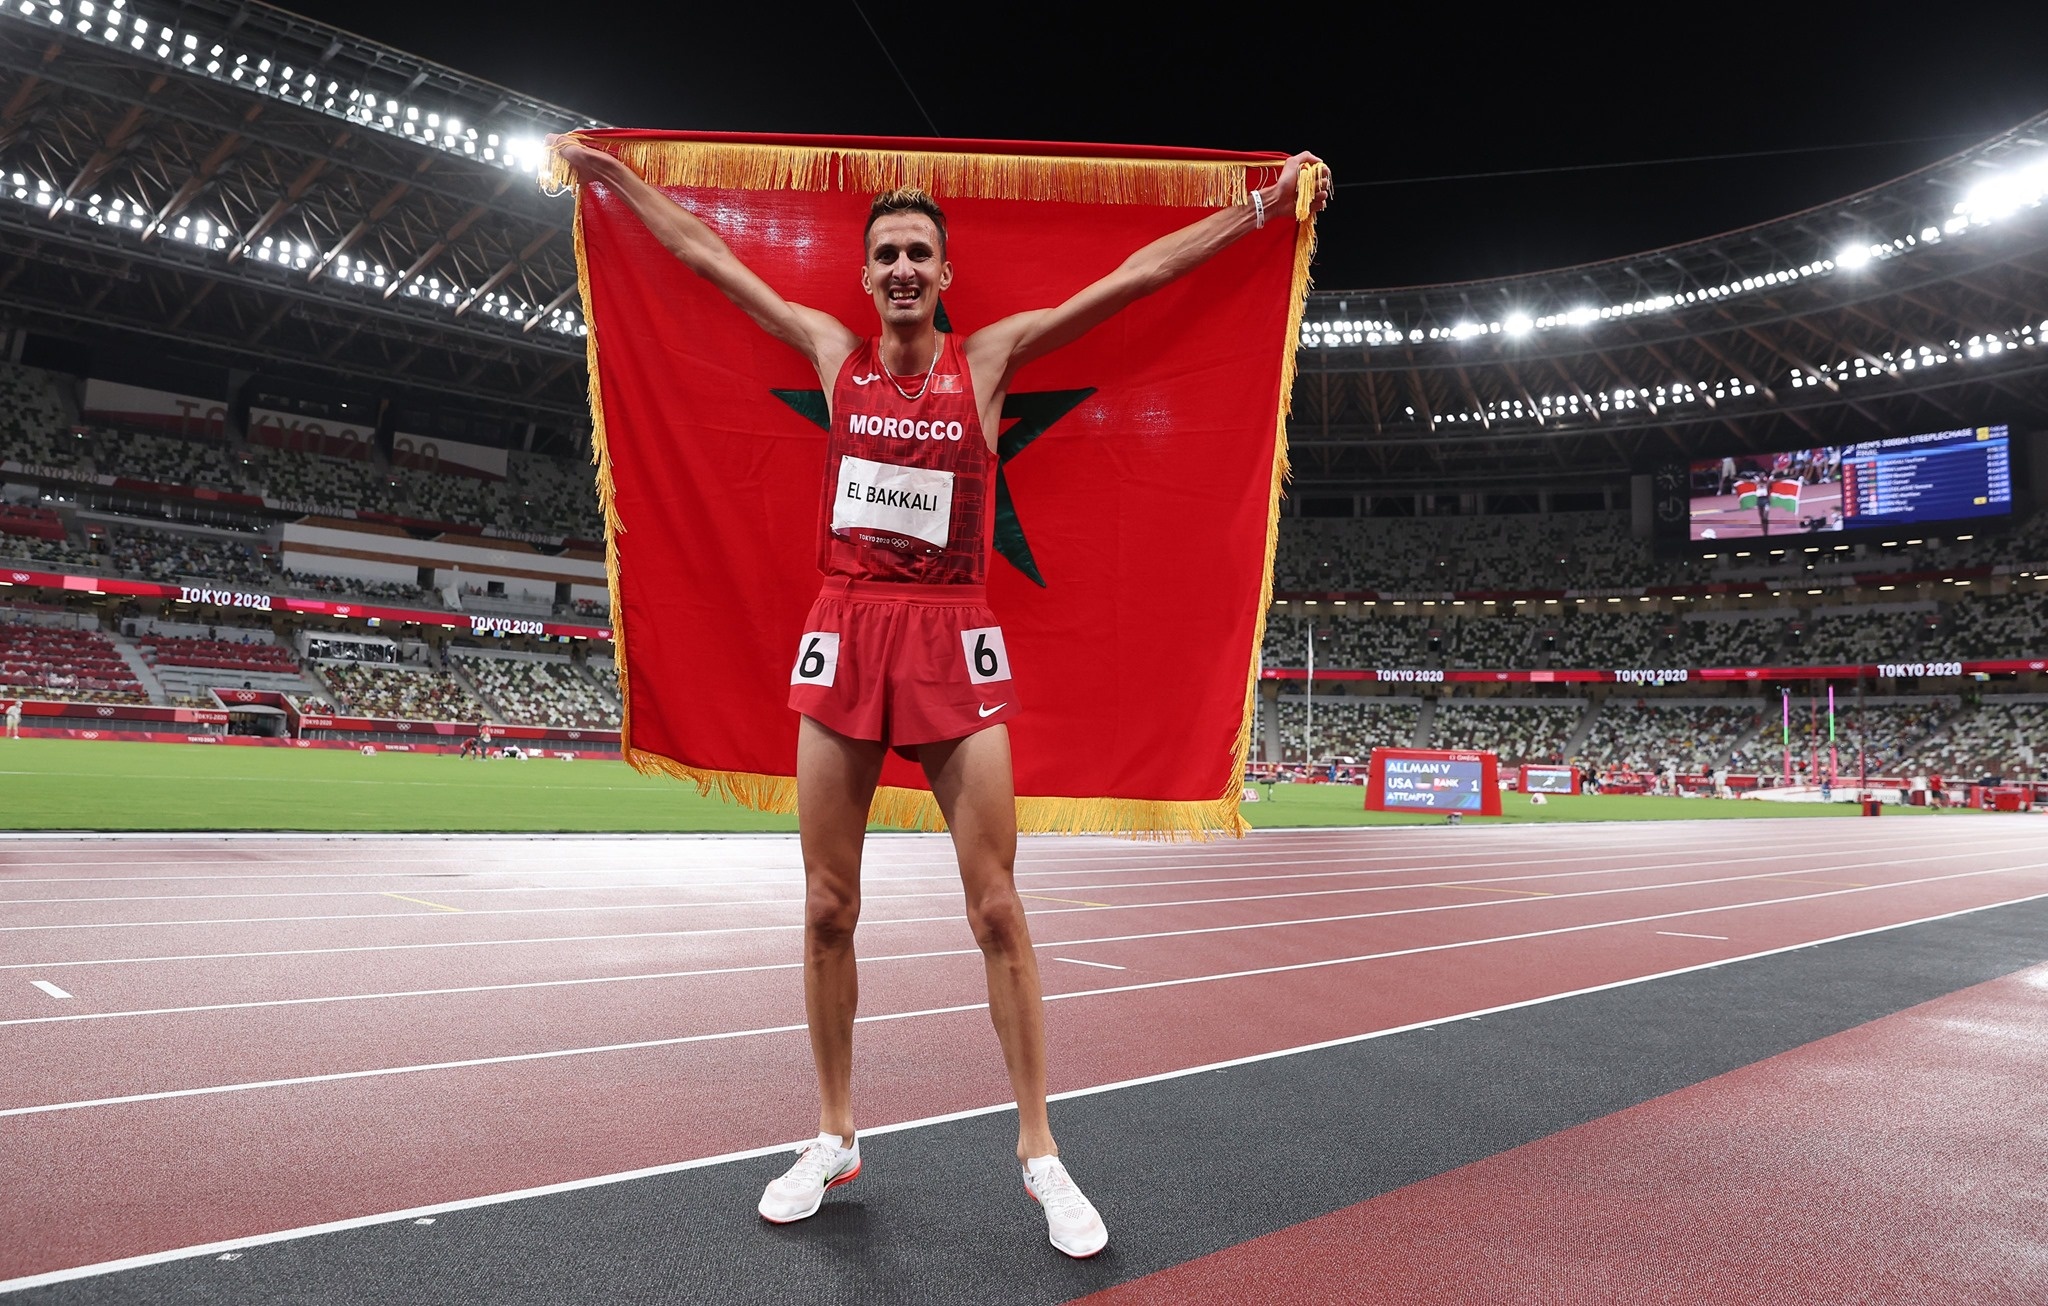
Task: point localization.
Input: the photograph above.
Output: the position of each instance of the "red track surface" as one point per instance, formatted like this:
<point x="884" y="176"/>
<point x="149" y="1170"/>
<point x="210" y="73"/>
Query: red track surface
<point x="141" y="1114"/>
<point x="1899" y="1161"/>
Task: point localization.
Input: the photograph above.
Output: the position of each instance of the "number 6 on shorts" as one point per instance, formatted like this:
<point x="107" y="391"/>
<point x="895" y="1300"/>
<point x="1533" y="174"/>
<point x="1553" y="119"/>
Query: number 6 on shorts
<point x="987" y="659"/>
<point x="817" y="658"/>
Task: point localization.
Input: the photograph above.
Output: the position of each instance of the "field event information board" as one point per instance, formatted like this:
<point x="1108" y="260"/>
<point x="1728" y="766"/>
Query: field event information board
<point x="1424" y="780"/>
<point x="1939" y="476"/>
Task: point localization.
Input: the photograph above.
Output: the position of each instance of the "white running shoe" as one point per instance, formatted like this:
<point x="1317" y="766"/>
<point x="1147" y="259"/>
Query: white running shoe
<point x="821" y="1164"/>
<point x="1072" y="1223"/>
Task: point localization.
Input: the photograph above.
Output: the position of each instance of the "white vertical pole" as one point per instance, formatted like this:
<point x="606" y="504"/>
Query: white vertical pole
<point x="1308" y="730"/>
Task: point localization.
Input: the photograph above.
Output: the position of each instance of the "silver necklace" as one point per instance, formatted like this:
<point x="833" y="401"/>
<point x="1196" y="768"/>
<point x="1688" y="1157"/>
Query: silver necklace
<point x="922" y="385"/>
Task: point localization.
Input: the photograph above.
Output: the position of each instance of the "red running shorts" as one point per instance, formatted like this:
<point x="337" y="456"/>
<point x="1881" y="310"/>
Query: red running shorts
<point x="904" y="664"/>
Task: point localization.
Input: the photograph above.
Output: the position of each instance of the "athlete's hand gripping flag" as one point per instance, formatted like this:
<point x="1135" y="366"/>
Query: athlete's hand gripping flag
<point x="1141" y="464"/>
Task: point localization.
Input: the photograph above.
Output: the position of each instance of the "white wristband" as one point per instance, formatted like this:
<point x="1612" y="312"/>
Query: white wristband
<point x="1258" y="210"/>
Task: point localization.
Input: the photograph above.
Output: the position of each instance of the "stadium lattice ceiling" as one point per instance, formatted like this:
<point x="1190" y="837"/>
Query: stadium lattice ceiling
<point x="287" y="196"/>
<point x="292" y="198"/>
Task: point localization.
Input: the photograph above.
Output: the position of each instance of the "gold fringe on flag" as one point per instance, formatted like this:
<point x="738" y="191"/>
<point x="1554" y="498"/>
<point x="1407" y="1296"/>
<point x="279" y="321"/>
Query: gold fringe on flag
<point x="1109" y="181"/>
<point x="729" y="165"/>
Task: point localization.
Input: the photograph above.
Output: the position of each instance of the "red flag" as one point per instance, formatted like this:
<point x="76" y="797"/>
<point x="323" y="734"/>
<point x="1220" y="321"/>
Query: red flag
<point x="1141" y="465"/>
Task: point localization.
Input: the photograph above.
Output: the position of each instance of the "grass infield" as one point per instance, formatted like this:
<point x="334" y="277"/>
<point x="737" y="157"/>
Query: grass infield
<point x="64" y="784"/>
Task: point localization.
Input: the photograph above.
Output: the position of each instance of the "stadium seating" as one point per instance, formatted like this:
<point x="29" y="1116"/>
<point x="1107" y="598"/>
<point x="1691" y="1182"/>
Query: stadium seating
<point x="539" y="692"/>
<point x="26" y="521"/>
<point x="363" y="589"/>
<point x="1345" y="727"/>
<point x="2002" y="625"/>
<point x="45" y="661"/>
<point x="179" y="556"/>
<point x="1520" y="732"/>
<point x="400" y="693"/>
<point x="163" y="459"/>
<point x="33" y="422"/>
<point x="218" y="654"/>
<point x="1647" y="736"/>
<point x="2005" y="740"/>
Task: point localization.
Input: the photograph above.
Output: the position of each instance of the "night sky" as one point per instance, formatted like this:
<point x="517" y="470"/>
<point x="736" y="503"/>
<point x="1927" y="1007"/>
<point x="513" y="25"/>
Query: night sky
<point x="1384" y="93"/>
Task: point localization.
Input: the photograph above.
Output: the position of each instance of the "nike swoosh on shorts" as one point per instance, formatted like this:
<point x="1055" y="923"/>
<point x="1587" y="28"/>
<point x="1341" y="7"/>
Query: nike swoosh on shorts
<point x="988" y="711"/>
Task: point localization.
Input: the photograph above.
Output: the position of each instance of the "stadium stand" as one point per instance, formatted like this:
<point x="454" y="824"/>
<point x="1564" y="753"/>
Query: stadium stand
<point x="179" y="556"/>
<point x="1839" y="635"/>
<point x="1346" y="727"/>
<point x="549" y="496"/>
<point x="1875" y="738"/>
<point x="1647" y="736"/>
<point x="1518" y="732"/>
<point x="366" y="589"/>
<point x="245" y="654"/>
<point x="1346" y="642"/>
<point x="1609" y="639"/>
<point x="1441" y="554"/>
<point x="39" y="660"/>
<point x="33" y="417"/>
<point x="2001" y="625"/>
<point x="22" y="521"/>
<point x="400" y="693"/>
<point x="537" y="691"/>
<point x="162" y="459"/>
<point x="1994" y="739"/>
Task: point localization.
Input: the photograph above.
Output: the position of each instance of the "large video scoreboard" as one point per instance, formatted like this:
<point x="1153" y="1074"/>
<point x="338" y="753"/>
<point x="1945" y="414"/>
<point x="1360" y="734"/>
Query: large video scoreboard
<point x="1432" y="780"/>
<point x="1904" y="482"/>
<point x="1941" y="476"/>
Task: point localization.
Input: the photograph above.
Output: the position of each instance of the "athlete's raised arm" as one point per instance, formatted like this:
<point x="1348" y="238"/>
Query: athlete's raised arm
<point x="1006" y="345"/>
<point x="818" y="336"/>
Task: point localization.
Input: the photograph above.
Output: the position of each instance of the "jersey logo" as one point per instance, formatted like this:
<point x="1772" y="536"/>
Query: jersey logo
<point x="946" y="383"/>
<point x="987" y="711"/>
<point x="869" y="379"/>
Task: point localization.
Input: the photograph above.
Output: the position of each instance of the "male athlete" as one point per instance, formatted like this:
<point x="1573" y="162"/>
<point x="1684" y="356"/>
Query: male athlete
<point x="901" y="651"/>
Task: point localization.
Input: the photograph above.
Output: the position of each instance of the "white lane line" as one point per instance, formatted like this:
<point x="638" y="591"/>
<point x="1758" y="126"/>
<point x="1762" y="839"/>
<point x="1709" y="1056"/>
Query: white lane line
<point x="1674" y="934"/>
<point x="519" y="852"/>
<point x="50" y="988"/>
<point x="71" y="1273"/>
<point x="720" y="931"/>
<point x="1190" y="932"/>
<point x="794" y="880"/>
<point x="729" y="1035"/>
<point x="1076" y="961"/>
<point x="1808" y="867"/>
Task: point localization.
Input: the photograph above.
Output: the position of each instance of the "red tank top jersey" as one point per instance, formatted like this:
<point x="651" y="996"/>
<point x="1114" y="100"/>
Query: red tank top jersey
<point x="909" y="483"/>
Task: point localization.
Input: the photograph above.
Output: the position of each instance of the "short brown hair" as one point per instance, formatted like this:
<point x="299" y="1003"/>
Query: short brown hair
<point x="905" y="199"/>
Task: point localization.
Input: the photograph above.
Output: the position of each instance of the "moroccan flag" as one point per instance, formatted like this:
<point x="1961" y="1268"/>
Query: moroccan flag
<point x="1141" y="466"/>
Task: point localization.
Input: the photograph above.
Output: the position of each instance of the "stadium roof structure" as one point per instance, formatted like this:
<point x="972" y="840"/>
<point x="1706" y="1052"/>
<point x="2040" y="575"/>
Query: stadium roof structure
<point x="1920" y="304"/>
<point x="284" y="196"/>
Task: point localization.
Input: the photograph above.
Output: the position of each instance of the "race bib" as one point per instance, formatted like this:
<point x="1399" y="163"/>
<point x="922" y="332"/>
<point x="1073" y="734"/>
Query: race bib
<point x="907" y="503"/>
<point x="817" y="658"/>
<point x="987" y="659"/>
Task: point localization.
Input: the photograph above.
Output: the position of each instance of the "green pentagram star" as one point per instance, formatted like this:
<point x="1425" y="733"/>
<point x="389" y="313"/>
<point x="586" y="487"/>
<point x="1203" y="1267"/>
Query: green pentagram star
<point x="1029" y="416"/>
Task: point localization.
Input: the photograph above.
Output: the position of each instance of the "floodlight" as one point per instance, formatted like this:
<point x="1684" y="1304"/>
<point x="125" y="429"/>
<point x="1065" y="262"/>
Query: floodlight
<point x="1519" y="325"/>
<point x="1853" y="256"/>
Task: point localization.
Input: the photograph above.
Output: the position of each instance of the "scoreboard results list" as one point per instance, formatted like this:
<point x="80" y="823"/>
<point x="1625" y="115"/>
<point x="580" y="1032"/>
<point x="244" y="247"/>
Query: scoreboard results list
<point x="1914" y="479"/>
<point x="1430" y="780"/>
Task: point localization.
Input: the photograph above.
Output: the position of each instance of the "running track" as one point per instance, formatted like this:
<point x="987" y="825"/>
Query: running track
<point x="262" y="1035"/>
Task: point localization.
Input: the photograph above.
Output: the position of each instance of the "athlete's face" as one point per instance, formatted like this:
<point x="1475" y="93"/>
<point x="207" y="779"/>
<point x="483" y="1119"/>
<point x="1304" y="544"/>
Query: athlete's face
<point x="905" y="269"/>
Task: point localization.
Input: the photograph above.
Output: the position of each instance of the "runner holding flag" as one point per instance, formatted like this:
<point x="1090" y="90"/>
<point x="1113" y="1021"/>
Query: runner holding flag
<point x="900" y="650"/>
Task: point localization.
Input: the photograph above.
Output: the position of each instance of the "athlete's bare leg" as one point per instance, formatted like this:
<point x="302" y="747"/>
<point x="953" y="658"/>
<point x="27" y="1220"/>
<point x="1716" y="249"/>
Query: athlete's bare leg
<point x="835" y="783"/>
<point x="976" y="790"/>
